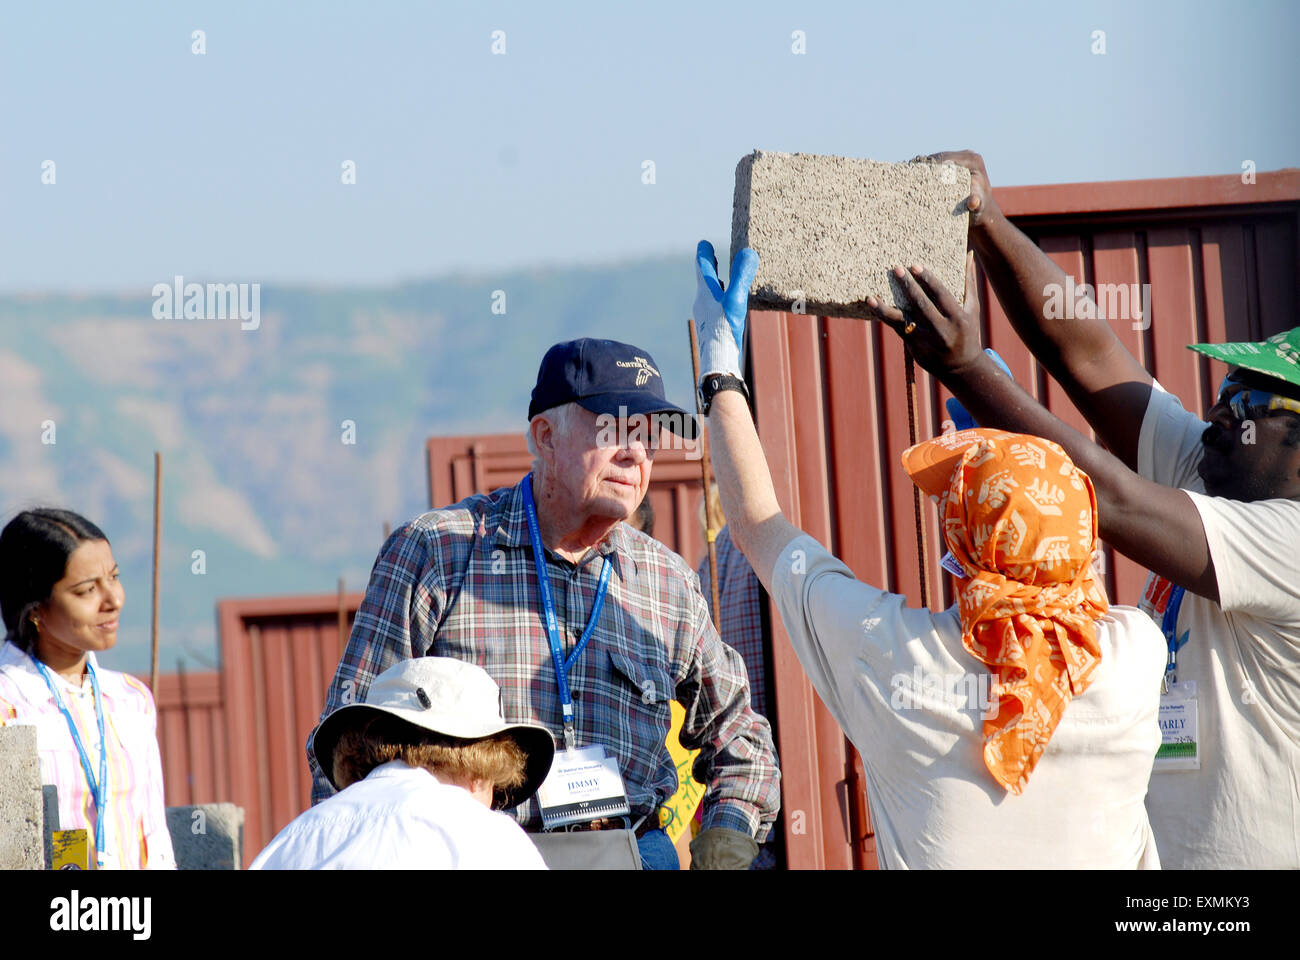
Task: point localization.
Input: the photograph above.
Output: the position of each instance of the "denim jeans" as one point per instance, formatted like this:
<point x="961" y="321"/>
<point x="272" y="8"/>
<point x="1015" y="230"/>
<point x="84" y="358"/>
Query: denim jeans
<point x="657" y="851"/>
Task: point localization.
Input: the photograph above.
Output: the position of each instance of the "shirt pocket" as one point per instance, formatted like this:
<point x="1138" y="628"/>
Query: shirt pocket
<point x="644" y="691"/>
<point x="651" y="683"/>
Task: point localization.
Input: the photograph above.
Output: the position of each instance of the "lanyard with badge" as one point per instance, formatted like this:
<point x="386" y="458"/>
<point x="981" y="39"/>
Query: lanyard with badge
<point x="1179" y="748"/>
<point x="584" y="783"/>
<point x="98" y="786"/>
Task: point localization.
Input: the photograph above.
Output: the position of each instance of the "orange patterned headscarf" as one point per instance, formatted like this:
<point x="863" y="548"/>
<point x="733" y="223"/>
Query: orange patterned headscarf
<point x="1021" y="519"/>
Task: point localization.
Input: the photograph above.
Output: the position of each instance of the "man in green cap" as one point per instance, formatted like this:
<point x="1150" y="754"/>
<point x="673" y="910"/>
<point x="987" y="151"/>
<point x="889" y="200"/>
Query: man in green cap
<point x="1212" y="509"/>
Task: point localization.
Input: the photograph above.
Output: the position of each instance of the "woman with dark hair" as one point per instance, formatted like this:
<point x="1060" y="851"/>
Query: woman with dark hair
<point x="60" y="595"/>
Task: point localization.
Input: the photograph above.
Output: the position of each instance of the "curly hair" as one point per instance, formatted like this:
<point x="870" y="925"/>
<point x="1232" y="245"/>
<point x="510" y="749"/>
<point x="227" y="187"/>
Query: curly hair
<point x="381" y="738"/>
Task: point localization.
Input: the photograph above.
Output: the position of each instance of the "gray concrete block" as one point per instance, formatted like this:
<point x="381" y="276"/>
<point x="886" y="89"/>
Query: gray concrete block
<point x="22" y="841"/>
<point x="50" y="806"/>
<point x="209" y="836"/>
<point x="828" y="229"/>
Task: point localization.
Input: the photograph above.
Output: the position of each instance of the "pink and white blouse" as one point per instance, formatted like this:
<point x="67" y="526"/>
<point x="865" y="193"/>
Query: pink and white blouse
<point x="135" y="816"/>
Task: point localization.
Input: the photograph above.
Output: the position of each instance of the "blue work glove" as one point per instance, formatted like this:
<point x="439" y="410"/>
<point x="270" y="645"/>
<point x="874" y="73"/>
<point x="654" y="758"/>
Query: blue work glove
<point x="958" y="413"/>
<point x="720" y="314"/>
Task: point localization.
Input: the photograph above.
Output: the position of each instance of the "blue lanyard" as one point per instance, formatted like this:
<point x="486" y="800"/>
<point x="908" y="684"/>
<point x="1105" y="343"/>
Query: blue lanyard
<point x="561" y="664"/>
<point x="1170" y="627"/>
<point x="97" y="787"/>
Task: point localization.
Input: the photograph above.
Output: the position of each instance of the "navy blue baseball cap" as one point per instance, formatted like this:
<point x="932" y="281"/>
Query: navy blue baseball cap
<point x="608" y="377"/>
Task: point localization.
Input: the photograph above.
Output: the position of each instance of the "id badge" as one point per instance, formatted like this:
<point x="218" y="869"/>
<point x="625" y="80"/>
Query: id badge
<point x="584" y="784"/>
<point x="1179" y="734"/>
<point x="949" y="563"/>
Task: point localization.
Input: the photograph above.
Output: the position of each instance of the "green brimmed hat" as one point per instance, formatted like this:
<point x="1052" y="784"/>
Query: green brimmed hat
<point x="1278" y="356"/>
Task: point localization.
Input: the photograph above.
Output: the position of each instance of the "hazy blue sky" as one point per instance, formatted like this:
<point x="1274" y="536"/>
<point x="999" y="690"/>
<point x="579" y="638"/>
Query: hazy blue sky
<point x="226" y="166"/>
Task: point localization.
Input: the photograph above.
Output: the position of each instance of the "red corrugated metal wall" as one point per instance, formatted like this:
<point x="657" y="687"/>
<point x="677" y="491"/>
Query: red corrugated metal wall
<point x="278" y="655"/>
<point x="1221" y="258"/>
<point x="238" y="736"/>
<point x="192" y="738"/>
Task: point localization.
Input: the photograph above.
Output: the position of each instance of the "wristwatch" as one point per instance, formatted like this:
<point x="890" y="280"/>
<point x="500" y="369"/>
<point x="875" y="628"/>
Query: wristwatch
<point x="715" y="383"/>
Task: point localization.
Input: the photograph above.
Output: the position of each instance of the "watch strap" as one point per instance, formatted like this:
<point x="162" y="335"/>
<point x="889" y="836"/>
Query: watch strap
<point x="714" y="383"/>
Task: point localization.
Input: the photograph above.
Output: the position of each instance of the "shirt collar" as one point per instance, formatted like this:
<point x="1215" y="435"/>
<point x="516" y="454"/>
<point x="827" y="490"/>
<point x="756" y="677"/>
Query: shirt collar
<point x="512" y="531"/>
<point x="511" y="520"/>
<point x="29" y="680"/>
<point x="397" y="768"/>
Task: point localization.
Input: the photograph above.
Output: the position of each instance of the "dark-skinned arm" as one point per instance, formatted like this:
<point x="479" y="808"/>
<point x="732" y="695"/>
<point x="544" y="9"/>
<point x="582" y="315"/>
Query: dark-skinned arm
<point x="1109" y="387"/>
<point x="1154" y="525"/>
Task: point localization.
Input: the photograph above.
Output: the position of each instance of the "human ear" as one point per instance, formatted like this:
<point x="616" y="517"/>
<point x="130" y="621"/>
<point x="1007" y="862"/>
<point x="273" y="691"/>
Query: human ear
<point x="543" y="432"/>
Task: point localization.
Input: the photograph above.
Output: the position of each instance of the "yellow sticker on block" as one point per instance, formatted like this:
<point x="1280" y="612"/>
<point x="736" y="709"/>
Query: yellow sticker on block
<point x="70" y="850"/>
<point x="676" y="814"/>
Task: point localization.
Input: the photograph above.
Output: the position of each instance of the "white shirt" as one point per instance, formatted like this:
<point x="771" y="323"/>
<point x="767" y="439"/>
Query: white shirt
<point x="401" y="818"/>
<point x="905" y="691"/>
<point x="1242" y="807"/>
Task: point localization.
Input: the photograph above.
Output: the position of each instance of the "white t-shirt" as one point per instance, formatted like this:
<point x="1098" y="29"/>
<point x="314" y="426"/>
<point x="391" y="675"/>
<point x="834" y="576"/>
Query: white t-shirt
<point x="400" y="818"/>
<point x="1242" y="807"/>
<point x="905" y="691"/>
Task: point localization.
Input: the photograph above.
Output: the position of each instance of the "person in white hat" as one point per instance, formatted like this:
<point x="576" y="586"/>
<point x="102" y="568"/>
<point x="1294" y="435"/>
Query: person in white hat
<point x="423" y="766"/>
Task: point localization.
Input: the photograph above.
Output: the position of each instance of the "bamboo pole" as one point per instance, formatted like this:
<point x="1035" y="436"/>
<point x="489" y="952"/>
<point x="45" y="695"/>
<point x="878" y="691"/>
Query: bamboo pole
<point x="916" y="491"/>
<point x="157" y="551"/>
<point x="343" y="619"/>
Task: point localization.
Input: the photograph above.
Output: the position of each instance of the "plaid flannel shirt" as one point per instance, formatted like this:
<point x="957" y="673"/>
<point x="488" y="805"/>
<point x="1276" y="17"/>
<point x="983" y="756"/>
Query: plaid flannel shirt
<point x="654" y="642"/>
<point x="740" y="621"/>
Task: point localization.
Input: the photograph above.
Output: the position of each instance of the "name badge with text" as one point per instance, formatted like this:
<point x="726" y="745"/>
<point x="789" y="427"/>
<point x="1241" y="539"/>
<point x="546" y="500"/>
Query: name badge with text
<point x="1179" y="749"/>
<point x="583" y="784"/>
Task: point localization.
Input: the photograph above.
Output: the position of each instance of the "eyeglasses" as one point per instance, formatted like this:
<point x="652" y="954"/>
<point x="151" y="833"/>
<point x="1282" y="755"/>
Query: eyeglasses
<point x="1246" y="403"/>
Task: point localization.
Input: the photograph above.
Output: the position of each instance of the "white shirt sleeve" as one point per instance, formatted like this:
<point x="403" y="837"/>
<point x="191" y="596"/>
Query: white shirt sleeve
<point x="1169" y="445"/>
<point x="1254" y="547"/>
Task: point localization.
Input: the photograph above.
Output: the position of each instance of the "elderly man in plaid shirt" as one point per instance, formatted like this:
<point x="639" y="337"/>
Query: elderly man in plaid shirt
<point x="463" y="582"/>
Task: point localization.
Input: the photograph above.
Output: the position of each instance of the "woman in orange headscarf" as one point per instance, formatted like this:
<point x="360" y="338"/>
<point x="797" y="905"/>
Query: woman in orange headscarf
<point x="1019" y="519"/>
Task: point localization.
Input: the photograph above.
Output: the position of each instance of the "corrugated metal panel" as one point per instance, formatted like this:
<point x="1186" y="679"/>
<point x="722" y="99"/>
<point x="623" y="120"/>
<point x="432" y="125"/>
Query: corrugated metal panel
<point x="278" y="655"/>
<point x="192" y="738"/>
<point x="1221" y="258"/>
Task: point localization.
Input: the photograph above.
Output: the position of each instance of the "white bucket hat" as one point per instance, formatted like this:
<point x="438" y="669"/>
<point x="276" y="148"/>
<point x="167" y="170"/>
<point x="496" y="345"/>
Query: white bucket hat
<point x="447" y="696"/>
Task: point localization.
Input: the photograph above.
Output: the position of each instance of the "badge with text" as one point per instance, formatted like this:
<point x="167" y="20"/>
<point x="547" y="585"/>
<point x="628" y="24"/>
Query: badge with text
<point x="583" y="785"/>
<point x="1179" y="749"/>
<point x="953" y="566"/>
